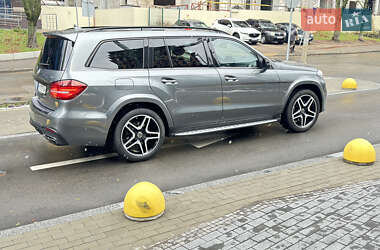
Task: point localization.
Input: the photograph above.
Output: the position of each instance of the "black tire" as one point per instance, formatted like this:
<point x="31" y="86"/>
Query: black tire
<point x="253" y="43"/>
<point x="139" y="136"/>
<point x="236" y="35"/>
<point x="305" y="119"/>
<point x="263" y="39"/>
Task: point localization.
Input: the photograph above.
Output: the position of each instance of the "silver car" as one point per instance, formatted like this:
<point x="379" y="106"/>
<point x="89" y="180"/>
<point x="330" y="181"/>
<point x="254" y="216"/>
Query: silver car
<point x="132" y="87"/>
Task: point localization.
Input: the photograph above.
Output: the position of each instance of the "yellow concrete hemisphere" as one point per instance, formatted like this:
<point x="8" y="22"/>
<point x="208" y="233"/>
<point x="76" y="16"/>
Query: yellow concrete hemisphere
<point x="144" y="201"/>
<point x="349" y="83"/>
<point x="360" y="152"/>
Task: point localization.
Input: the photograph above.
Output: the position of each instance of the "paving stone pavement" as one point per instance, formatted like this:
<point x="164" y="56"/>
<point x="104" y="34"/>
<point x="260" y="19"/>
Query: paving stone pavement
<point x="341" y="218"/>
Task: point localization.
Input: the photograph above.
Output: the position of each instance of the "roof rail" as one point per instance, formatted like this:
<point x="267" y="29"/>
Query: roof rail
<point x="142" y="28"/>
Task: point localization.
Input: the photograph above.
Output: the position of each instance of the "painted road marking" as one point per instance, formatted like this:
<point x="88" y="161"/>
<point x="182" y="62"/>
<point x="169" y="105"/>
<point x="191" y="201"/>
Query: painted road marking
<point x="4" y="137"/>
<point x="71" y="162"/>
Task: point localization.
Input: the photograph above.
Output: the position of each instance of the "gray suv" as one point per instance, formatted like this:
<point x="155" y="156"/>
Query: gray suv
<point x="129" y="87"/>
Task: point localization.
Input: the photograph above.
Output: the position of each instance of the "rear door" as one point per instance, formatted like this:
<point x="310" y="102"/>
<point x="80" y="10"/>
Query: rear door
<point x="181" y="76"/>
<point x="50" y="67"/>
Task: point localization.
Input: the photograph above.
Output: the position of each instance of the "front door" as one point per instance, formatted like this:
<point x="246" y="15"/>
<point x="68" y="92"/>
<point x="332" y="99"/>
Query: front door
<point x="180" y="75"/>
<point x="250" y="93"/>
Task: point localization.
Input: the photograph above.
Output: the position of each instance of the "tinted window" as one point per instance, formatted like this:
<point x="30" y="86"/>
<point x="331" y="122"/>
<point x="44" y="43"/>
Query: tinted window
<point x="158" y="54"/>
<point x="55" y="54"/>
<point x="119" y="55"/>
<point x="189" y="52"/>
<point x="230" y="53"/>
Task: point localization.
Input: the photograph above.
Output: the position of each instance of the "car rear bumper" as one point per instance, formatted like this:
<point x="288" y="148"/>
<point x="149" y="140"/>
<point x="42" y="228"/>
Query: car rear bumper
<point x="62" y="127"/>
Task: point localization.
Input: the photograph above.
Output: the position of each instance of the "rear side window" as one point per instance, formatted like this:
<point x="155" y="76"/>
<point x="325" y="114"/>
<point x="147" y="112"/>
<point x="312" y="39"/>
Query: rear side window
<point x="55" y="54"/>
<point x="187" y="52"/>
<point x="122" y="54"/>
<point x="158" y="52"/>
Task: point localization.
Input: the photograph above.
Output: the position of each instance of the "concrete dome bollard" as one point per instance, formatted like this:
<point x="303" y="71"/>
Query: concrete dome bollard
<point x="349" y="83"/>
<point x="144" y="201"/>
<point x="360" y="152"/>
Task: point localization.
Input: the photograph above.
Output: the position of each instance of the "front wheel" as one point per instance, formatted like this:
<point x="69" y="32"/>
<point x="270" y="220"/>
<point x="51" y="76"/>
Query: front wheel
<point x="236" y="35"/>
<point x="302" y="111"/>
<point x="139" y="135"/>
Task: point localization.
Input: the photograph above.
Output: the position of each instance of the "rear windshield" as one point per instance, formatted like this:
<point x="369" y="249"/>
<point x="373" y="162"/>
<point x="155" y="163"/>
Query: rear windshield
<point x="55" y="53"/>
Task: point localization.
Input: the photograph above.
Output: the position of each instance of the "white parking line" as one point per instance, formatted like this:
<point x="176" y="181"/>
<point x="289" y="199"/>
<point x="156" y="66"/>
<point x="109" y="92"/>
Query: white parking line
<point x="74" y="161"/>
<point x="4" y="137"/>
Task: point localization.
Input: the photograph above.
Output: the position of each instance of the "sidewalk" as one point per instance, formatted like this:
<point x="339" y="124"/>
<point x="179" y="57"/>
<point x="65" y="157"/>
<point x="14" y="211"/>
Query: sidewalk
<point x="320" y="48"/>
<point x="288" y="206"/>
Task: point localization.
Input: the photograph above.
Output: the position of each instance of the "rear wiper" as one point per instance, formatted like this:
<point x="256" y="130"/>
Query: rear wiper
<point x="43" y="64"/>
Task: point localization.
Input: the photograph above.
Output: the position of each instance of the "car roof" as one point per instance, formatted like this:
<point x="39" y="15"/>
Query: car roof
<point x="111" y="32"/>
<point x="231" y="19"/>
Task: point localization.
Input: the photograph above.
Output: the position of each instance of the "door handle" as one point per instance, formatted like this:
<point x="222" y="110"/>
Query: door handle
<point x="169" y="81"/>
<point x="231" y="79"/>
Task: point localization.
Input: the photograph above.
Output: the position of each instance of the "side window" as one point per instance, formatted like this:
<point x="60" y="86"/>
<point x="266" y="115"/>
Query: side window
<point x="158" y="54"/>
<point x="187" y="52"/>
<point x="230" y="53"/>
<point x="122" y="54"/>
<point x="221" y="21"/>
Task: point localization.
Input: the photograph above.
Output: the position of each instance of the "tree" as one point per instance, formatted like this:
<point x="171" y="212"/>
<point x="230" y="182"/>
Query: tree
<point x="336" y="36"/>
<point x="32" y="11"/>
<point x="364" y="6"/>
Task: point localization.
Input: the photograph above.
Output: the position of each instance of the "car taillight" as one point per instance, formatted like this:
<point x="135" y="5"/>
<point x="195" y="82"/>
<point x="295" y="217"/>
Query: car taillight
<point x="66" y="89"/>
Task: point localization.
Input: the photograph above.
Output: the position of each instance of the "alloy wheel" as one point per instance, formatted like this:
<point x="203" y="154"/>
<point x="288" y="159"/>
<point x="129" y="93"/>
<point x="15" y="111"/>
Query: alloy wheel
<point x="304" y="111"/>
<point x="140" y="135"/>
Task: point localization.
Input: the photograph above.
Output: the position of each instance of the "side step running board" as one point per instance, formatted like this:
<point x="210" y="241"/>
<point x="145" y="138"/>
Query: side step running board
<point x="209" y="130"/>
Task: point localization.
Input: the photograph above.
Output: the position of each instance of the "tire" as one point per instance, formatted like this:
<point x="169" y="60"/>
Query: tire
<point x="236" y="35"/>
<point x="263" y="39"/>
<point x="253" y="43"/>
<point x="139" y="135"/>
<point x="300" y="115"/>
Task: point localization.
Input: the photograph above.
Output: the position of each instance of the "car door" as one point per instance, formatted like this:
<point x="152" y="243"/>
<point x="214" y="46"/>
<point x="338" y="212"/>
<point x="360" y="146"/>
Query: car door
<point x="223" y="25"/>
<point x="181" y="76"/>
<point x="250" y="93"/>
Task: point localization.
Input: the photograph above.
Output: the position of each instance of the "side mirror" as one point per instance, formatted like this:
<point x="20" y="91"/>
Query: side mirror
<point x="229" y="25"/>
<point x="264" y="64"/>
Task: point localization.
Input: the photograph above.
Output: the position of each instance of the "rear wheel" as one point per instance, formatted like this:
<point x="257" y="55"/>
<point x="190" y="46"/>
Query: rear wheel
<point x="263" y="39"/>
<point x="302" y="111"/>
<point x="139" y="135"/>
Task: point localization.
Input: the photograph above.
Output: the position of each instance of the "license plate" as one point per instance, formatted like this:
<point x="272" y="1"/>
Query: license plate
<point x="280" y="37"/>
<point x="42" y="89"/>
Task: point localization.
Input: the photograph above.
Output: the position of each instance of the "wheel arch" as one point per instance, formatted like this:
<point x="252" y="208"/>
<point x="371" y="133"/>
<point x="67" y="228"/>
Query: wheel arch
<point x="124" y="106"/>
<point x="304" y="85"/>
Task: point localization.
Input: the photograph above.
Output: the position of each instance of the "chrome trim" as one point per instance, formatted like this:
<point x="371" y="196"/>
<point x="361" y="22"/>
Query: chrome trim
<point x="209" y="130"/>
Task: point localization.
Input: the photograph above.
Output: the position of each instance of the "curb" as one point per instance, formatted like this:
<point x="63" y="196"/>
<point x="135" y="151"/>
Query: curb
<point x="333" y="53"/>
<point x="19" y="56"/>
<point x="15" y="70"/>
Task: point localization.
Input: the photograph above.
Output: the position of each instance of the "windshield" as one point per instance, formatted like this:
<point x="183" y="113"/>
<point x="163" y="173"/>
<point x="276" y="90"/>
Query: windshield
<point x="268" y="25"/>
<point x="241" y="24"/>
<point x="199" y="24"/>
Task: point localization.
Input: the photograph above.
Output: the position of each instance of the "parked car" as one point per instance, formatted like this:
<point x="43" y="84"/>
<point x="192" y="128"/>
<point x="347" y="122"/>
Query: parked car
<point x="130" y="87"/>
<point x="301" y="32"/>
<point x="239" y="29"/>
<point x="191" y="23"/>
<point x="270" y="33"/>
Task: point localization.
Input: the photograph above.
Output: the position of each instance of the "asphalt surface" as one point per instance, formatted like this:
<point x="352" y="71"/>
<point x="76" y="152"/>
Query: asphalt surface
<point x="28" y="196"/>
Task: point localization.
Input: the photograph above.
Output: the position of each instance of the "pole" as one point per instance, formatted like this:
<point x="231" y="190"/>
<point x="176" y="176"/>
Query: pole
<point x="76" y="10"/>
<point x="88" y="12"/>
<point x="179" y="14"/>
<point x="162" y="17"/>
<point x="289" y="29"/>
<point x="305" y="41"/>
<point x="230" y="8"/>
<point x="149" y="16"/>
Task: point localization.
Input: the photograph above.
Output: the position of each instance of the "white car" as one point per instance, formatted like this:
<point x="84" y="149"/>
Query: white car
<point x="238" y="28"/>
